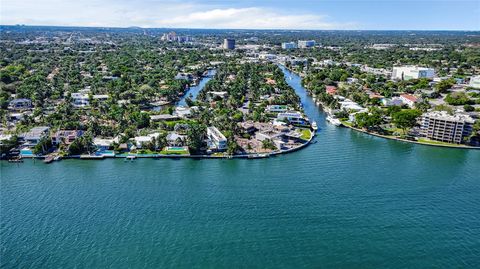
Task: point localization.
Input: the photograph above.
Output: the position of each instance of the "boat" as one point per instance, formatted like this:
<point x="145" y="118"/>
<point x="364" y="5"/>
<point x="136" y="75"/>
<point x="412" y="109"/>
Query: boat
<point x="334" y="121"/>
<point x="16" y="160"/>
<point x="314" y="126"/>
<point x="49" y="159"/>
<point x="91" y="157"/>
<point x="130" y="157"/>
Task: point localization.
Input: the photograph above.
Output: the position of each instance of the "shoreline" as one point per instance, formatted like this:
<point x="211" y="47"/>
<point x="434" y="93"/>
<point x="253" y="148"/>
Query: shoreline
<point x="178" y="156"/>
<point x="460" y="146"/>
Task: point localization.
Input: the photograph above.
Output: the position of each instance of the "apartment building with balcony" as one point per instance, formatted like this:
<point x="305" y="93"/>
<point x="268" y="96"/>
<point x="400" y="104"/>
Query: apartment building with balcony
<point x="441" y="126"/>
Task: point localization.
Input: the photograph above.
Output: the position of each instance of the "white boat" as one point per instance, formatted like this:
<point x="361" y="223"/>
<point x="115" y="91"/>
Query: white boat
<point x="314" y="126"/>
<point x="334" y="121"/>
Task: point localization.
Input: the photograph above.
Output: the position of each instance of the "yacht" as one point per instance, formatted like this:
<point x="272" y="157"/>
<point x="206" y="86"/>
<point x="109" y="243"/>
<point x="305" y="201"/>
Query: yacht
<point x="333" y="120"/>
<point x="314" y="126"/>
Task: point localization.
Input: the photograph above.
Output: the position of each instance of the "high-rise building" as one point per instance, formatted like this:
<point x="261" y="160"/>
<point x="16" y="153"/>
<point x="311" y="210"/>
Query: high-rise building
<point x="289" y="45"/>
<point x="412" y="72"/>
<point x="173" y="37"/>
<point x="229" y="44"/>
<point x="441" y="126"/>
<point x="303" y="44"/>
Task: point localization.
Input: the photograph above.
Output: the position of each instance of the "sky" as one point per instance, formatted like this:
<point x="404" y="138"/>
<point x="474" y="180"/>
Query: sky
<point x="248" y="14"/>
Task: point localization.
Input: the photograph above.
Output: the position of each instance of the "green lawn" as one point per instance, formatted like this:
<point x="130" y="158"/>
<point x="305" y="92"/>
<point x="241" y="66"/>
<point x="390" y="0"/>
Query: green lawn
<point x="306" y="134"/>
<point x="175" y="152"/>
<point x="433" y="142"/>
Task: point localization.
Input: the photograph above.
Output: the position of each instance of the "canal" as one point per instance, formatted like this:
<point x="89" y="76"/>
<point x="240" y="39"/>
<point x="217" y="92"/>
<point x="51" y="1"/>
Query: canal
<point x="349" y="201"/>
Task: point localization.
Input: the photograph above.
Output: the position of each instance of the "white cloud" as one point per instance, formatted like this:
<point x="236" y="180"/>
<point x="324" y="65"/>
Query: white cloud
<point x="156" y="13"/>
<point x="249" y="18"/>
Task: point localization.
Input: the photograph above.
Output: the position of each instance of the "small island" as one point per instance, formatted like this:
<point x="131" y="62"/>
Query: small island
<point x="239" y="110"/>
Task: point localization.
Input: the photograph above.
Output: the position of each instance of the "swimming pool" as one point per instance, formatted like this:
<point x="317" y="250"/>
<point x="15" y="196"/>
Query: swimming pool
<point x="176" y="148"/>
<point x="26" y="152"/>
<point x="107" y="153"/>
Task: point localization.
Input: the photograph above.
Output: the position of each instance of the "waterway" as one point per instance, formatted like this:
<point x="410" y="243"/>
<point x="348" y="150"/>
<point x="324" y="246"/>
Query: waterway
<point x="195" y="90"/>
<point x="348" y="201"/>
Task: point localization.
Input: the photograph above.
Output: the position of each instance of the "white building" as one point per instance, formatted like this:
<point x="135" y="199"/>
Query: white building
<point x="267" y="56"/>
<point x="475" y="82"/>
<point x="412" y="72"/>
<point x="216" y="139"/>
<point x="183" y="111"/>
<point x="395" y="101"/>
<point x="409" y="99"/>
<point x="277" y="108"/>
<point x="441" y="126"/>
<point x="104" y="143"/>
<point x="303" y="44"/>
<point x="141" y="140"/>
<point x="350" y="105"/>
<point x="80" y="99"/>
<point x="292" y="117"/>
<point x="289" y="45"/>
<point x="34" y="136"/>
<point x="20" y="104"/>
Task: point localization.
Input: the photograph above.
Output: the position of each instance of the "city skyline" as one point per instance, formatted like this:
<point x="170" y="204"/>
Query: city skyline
<point x="211" y="14"/>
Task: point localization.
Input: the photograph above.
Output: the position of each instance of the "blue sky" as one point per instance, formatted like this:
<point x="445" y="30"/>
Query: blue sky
<point x="249" y="14"/>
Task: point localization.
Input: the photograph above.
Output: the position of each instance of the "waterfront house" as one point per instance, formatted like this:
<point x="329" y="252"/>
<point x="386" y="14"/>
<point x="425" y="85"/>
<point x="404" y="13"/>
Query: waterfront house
<point x="175" y="139"/>
<point x="104" y="143"/>
<point x="216" y="140"/>
<point x="248" y="127"/>
<point x="272" y="135"/>
<point x="66" y="136"/>
<point x="141" y="140"/>
<point x="34" y="136"/>
<point x="293" y="117"/>
<point x="20" y="104"/>
<point x="350" y="105"/>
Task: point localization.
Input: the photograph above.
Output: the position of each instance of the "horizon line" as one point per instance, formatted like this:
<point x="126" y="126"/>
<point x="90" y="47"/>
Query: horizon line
<point x="238" y="29"/>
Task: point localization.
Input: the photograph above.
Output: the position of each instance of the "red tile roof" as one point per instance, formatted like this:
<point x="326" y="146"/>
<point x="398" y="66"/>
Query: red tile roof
<point x="331" y="89"/>
<point x="409" y="97"/>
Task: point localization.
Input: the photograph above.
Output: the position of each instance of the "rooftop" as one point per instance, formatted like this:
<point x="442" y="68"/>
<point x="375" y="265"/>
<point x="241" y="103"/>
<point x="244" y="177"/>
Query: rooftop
<point x="443" y="115"/>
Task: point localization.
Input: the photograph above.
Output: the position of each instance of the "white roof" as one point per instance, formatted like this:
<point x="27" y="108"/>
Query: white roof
<point x="104" y="141"/>
<point x="443" y="115"/>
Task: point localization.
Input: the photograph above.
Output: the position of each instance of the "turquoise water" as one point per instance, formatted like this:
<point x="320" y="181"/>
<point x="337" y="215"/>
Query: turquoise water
<point x="26" y="153"/>
<point x="348" y="201"/>
<point x="195" y="90"/>
<point x="176" y="148"/>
